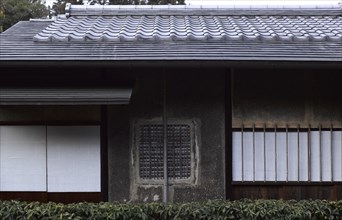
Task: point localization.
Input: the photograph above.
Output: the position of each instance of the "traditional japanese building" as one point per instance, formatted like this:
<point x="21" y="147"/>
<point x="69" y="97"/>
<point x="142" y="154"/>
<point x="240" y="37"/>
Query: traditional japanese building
<point x="247" y="98"/>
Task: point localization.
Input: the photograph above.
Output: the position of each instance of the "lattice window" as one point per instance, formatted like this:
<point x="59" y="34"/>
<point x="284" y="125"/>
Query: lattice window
<point x="151" y="154"/>
<point x="284" y="154"/>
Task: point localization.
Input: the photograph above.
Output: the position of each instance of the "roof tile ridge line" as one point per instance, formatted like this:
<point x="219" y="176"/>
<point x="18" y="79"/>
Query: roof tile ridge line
<point x="236" y="6"/>
<point x="87" y="9"/>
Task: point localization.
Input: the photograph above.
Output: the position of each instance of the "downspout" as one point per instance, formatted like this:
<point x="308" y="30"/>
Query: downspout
<point x="166" y="181"/>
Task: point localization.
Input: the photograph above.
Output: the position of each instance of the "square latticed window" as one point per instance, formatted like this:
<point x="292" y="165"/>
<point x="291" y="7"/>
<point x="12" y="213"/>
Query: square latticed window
<point x="151" y="148"/>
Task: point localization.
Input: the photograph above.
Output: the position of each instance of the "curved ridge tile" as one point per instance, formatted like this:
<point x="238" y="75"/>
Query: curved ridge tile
<point x="194" y="28"/>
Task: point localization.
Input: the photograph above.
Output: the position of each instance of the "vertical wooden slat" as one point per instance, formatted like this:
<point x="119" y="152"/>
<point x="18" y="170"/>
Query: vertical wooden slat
<point x="265" y="153"/>
<point x="46" y="161"/>
<point x="298" y="153"/>
<point x="287" y="153"/>
<point x="165" y="129"/>
<point x="181" y="135"/>
<point x="173" y="135"/>
<point x="275" y="153"/>
<point x="149" y="128"/>
<point x="320" y="152"/>
<point x="0" y="161"/>
<point x="331" y="153"/>
<point x="309" y="153"/>
<point x="229" y="91"/>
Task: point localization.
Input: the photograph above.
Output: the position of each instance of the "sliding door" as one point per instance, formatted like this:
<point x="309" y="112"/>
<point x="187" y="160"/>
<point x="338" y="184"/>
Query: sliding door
<point x="63" y="161"/>
<point x="73" y="158"/>
<point x="22" y="158"/>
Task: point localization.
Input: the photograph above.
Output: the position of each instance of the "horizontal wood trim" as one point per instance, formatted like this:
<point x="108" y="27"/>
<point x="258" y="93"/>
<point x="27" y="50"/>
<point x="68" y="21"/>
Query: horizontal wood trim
<point x="50" y="123"/>
<point x="332" y="192"/>
<point x="24" y="196"/>
<point x="68" y="197"/>
<point x="284" y="183"/>
<point x="71" y="197"/>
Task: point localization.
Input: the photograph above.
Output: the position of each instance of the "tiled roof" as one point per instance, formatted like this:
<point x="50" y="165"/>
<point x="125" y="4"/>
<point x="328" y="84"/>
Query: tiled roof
<point x="159" y="36"/>
<point x="157" y="24"/>
<point x="195" y="28"/>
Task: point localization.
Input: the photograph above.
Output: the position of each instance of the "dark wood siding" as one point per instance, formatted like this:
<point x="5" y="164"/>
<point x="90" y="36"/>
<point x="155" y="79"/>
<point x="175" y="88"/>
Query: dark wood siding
<point x="53" y="197"/>
<point x="269" y="96"/>
<point x="75" y="197"/>
<point x="24" y="196"/>
<point x="326" y="191"/>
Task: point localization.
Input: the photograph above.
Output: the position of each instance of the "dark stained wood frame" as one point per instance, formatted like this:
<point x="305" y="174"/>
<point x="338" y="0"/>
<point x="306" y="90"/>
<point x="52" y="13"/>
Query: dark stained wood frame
<point x="68" y="197"/>
<point x="288" y="191"/>
<point x="228" y="132"/>
<point x="104" y="153"/>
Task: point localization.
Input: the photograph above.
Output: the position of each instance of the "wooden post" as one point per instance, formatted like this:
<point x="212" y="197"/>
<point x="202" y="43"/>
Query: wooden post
<point x="166" y="182"/>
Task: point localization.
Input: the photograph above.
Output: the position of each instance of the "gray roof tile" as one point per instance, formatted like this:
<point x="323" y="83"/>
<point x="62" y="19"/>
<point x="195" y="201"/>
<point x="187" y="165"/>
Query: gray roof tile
<point x="194" y="28"/>
<point x="133" y="35"/>
<point x="230" y="8"/>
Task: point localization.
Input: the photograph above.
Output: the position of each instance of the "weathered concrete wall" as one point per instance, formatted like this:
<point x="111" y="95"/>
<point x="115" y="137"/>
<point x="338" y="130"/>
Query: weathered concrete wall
<point x="287" y="96"/>
<point x="118" y="154"/>
<point x="192" y="94"/>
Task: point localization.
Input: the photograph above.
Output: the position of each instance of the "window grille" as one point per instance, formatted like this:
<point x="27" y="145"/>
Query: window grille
<point x="151" y="156"/>
<point x="283" y="154"/>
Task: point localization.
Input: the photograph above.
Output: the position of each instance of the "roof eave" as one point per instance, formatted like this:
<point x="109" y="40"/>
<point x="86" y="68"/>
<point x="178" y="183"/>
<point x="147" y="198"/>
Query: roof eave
<point x="176" y="63"/>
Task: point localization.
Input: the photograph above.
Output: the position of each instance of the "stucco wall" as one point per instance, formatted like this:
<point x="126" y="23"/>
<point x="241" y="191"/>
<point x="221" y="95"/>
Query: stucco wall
<point x="192" y="94"/>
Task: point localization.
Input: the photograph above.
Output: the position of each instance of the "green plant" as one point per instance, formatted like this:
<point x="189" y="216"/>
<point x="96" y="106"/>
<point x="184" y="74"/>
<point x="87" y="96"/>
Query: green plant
<point x="212" y="209"/>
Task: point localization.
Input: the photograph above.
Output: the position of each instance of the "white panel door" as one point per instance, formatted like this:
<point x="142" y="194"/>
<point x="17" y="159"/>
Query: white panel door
<point x="23" y="158"/>
<point x="73" y="155"/>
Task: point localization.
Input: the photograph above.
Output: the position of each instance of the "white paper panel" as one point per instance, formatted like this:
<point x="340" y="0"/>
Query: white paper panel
<point x="321" y="157"/>
<point x="237" y="160"/>
<point x="293" y="156"/>
<point x="259" y="156"/>
<point x="73" y="158"/>
<point x="337" y="155"/>
<point x="326" y="155"/>
<point x="315" y="156"/>
<point x="270" y="156"/>
<point x="23" y="158"/>
<point x="281" y="156"/>
<point x="303" y="156"/>
<point x="248" y="155"/>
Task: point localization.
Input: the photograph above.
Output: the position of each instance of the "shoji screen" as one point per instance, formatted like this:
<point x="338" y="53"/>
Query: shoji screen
<point x="23" y="158"/>
<point x="295" y="155"/>
<point x="73" y="155"/>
